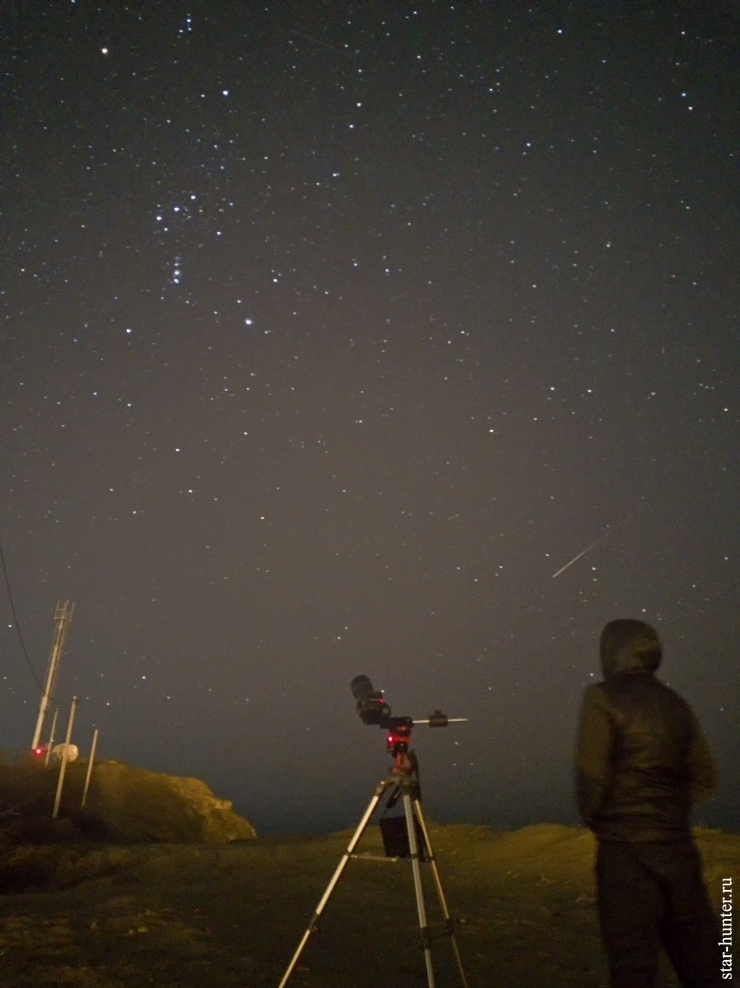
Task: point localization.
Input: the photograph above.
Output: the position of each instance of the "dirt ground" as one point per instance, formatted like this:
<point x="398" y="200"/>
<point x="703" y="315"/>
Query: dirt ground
<point x="179" y="916"/>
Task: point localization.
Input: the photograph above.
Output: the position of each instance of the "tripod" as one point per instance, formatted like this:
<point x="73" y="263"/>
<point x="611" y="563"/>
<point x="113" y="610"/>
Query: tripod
<point x="403" y="778"/>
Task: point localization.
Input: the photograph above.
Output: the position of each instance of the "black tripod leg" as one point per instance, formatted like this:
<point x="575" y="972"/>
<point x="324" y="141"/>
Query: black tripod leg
<point x="414" y="849"/>
<point x="335" y="878"/>
<point x="440" y="893"/>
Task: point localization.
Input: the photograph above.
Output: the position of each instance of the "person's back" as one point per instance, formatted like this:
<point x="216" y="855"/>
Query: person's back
<point x="641" y="763"/>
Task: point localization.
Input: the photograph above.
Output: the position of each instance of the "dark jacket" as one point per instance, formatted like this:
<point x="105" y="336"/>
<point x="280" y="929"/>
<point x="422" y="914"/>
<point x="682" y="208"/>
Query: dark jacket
<point x="641" y="759"/>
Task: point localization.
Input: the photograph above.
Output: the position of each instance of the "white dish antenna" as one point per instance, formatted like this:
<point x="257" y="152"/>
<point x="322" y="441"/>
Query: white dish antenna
<point x="58" y="752"/>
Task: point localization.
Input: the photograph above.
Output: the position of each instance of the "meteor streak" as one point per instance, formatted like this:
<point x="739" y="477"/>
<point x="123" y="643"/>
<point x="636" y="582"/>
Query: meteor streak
<point x="588" y="549"/>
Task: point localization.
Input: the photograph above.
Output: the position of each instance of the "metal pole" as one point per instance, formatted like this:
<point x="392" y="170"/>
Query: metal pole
<point x="65" y="759"/>
<point x="89" y="768"/>
<point x="62" y="615"/>
<point x="51" y="737"/>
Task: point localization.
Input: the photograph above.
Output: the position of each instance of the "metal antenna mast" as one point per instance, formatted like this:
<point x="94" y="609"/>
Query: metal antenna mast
<point x="62" y="615"/>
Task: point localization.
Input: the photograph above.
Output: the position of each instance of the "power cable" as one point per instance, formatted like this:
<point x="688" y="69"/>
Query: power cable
<point x="15" y="619"/>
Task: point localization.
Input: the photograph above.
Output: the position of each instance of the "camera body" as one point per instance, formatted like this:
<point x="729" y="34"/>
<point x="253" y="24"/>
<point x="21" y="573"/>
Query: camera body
<point x="371" y="705"/>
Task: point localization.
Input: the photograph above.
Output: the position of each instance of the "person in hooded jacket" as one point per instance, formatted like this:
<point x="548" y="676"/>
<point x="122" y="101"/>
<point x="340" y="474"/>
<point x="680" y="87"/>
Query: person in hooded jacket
<point x="641" y="765"/>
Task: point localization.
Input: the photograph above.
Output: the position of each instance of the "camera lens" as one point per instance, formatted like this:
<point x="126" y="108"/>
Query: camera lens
<point x="361" y="688"/>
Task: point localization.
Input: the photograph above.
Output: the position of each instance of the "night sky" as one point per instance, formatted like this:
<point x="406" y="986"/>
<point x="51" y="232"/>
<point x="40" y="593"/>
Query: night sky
<point x="329" y="332"/>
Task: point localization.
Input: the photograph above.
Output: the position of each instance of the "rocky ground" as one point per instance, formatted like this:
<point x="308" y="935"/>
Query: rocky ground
<point x="182" y="916"/>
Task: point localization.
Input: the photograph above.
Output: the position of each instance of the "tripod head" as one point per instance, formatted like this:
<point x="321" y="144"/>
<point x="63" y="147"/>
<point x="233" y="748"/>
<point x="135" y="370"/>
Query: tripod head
<point x="373" y="709"/>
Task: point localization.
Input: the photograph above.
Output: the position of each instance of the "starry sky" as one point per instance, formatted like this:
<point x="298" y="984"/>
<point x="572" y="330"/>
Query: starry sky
<point x="330" y="332"/>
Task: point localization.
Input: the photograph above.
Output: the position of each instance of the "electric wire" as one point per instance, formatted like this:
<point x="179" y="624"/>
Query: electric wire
<point x="15" y="619"/>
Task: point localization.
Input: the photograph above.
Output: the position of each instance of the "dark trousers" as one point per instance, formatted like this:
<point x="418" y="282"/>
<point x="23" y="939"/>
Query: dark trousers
<point x="652" y="892"/>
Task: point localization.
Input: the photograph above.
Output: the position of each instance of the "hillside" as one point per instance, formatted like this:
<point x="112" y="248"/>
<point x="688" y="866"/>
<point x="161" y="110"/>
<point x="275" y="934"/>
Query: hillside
<point x="124" y="804"/>
<point x="232" y="914"/>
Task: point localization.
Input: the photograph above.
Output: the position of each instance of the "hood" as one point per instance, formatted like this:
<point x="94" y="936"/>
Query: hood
<point x="629" y="646"/>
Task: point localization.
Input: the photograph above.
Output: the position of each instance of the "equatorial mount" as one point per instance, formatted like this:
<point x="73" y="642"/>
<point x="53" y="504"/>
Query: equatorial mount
<point x="373" y="709"/>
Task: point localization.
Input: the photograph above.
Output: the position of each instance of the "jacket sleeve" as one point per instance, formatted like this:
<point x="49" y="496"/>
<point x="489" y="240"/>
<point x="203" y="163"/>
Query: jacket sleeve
<point x="701" y="767"/>
<point x="594" y="748"/>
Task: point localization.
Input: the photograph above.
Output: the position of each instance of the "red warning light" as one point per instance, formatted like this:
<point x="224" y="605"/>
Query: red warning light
<point x="38" y="752"/>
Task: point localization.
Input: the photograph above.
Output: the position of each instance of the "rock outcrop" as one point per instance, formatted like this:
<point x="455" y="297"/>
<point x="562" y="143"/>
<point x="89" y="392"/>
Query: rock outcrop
<point x="133" y="804"/>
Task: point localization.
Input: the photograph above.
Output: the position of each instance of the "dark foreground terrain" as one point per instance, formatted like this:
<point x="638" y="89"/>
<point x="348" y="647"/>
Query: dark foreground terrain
<point x="232" y="915"/>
